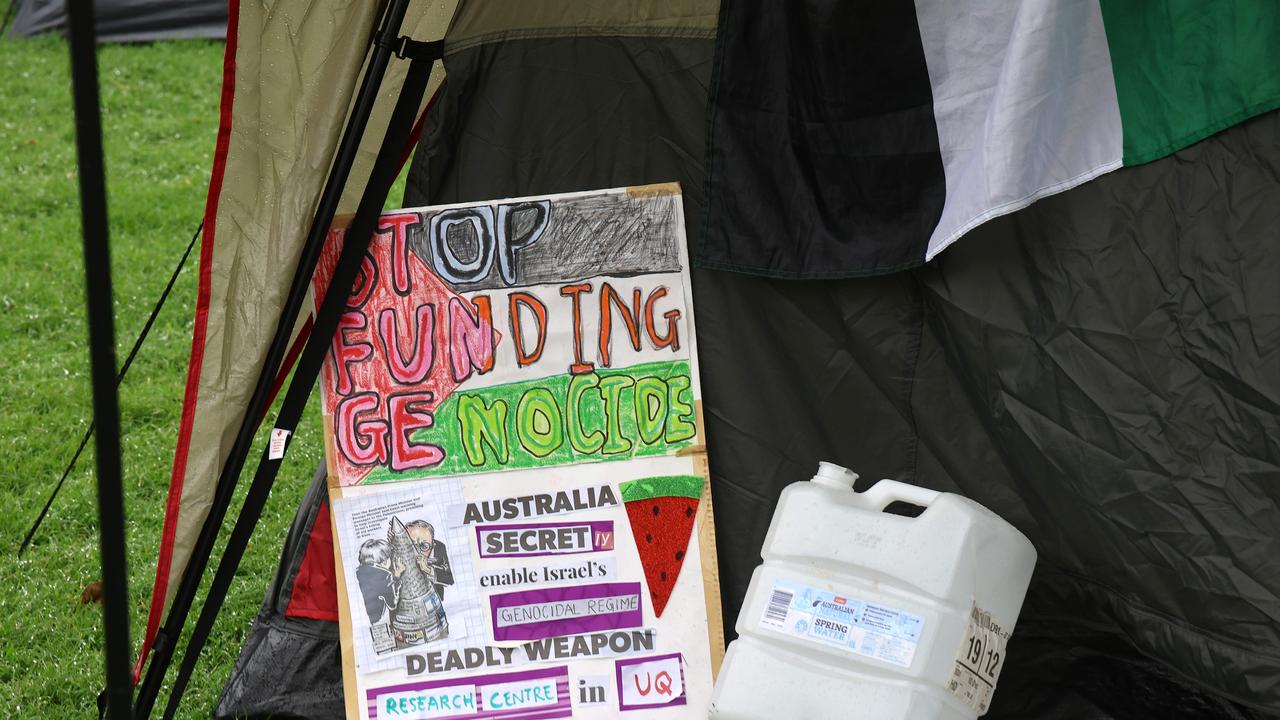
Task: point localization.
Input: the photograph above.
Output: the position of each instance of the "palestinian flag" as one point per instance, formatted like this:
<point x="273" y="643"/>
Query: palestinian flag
<point x="859" y="138"/>
<point x="662" y="511"/>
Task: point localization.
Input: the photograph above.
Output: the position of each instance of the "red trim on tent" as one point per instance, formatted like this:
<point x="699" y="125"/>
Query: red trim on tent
<point x="315" y="590"/>
<point x="167" y="537"/>
<point x="165" y="561"/>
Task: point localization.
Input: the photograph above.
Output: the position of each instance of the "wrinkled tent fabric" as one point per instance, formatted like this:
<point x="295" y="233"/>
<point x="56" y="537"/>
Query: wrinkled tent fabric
<point x="1110" y="359"/>
<point x="128" y="20"/>
<point x="1099" y="368"/>
<point x="291" y="71"/>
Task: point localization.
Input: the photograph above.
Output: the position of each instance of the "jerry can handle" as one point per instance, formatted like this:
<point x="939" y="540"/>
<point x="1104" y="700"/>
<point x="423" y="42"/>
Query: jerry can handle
<point x="878" y="496"/>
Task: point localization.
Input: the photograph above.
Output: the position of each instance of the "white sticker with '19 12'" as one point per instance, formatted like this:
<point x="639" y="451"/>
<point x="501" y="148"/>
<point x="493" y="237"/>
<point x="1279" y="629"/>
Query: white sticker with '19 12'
<point x="978" y="662"/>
<point x="855" y="626"/>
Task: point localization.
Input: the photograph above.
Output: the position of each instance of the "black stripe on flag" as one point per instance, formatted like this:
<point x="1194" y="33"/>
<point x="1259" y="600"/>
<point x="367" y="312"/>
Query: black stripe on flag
<point x="823" y="156"/>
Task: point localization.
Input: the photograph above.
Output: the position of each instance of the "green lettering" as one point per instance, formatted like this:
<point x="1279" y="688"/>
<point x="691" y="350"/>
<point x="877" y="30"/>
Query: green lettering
<point x="538" y="422"/>
<point x="651" y="408"/>
<point x="680" y="418"/>
<point x="611" y="387"/>
<point x="581" y="441"/>
<point x="480" y="425"/>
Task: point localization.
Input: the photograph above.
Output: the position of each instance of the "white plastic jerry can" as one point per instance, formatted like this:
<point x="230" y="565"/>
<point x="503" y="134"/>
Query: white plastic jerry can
<point x="859" y="614"/>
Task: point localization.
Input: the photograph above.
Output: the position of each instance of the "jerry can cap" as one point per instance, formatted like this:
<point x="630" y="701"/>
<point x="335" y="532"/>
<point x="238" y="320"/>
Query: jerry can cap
<point x="835" y="476"/>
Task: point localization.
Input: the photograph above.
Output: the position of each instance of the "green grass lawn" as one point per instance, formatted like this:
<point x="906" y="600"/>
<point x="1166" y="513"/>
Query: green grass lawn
<point x="160" y="109"/>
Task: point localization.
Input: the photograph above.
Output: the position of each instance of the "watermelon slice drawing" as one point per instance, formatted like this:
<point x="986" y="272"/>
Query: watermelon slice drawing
<point x="662" y="511"/>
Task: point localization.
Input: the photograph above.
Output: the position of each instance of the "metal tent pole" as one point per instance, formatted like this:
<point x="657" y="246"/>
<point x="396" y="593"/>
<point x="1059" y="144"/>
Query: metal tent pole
<point x="102" y="351"/>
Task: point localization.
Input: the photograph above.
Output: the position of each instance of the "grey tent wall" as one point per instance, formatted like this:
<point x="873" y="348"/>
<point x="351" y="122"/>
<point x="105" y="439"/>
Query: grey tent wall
<point x="128" y="20"/>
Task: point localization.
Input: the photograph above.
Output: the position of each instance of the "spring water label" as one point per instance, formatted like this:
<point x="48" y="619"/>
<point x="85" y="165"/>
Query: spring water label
<point x="842" y="621"/>
<point x="978" y="662"/>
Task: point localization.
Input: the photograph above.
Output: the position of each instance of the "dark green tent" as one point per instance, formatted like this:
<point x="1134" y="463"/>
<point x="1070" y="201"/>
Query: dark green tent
<point x="1095" y="356"/>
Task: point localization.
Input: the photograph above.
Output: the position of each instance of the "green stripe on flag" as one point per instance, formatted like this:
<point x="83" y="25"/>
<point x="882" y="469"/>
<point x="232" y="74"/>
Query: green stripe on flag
<point x="1185" y="69"/>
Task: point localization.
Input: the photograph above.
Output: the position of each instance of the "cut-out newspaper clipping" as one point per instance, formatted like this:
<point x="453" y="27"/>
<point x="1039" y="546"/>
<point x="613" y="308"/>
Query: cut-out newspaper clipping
<point x="517" y="467"/>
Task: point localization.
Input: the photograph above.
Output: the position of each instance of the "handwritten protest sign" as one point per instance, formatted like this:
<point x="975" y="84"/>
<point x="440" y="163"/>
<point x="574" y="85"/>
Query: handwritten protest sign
<point x="517" y="466"/>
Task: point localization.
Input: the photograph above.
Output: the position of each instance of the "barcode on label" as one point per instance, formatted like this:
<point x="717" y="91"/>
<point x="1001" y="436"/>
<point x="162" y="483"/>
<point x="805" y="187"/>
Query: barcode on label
<point x="779" y="601"/>
<point x="982" y="618"/>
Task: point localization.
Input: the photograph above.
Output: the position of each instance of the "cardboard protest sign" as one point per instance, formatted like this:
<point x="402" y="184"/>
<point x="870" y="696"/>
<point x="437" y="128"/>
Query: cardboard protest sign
<point x="517" y="469"/>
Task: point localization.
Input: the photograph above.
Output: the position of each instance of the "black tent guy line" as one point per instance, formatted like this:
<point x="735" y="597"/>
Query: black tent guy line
<point x="124" y="370"/>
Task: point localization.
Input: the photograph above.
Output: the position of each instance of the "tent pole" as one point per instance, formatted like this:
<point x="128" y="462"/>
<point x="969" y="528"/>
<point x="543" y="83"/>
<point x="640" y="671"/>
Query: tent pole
<point x="383" y="42"/>
<point x="102" y="352"/>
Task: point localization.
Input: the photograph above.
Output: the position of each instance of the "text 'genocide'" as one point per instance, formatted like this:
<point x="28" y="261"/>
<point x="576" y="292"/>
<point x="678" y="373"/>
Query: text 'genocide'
<point x="417" y="341"/>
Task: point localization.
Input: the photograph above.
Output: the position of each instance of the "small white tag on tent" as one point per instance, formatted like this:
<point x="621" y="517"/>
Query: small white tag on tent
<point x="279" y="438"/>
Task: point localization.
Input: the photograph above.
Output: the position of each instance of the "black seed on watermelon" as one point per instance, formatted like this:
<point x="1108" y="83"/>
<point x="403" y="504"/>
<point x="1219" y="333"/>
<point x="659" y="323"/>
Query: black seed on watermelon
<point x="648" y="537"/>
<point x="663" y="575"/>
<point x="679" y="555"/>
<point x="656" y="510"/>
<point x="688" y="512"/>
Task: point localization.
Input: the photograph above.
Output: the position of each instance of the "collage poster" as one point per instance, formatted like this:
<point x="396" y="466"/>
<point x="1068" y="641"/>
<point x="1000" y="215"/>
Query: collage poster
<point x="517" y="468"/>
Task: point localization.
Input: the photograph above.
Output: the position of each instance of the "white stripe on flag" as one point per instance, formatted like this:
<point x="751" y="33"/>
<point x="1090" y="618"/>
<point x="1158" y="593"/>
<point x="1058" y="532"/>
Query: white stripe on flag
<point x="1025" y="102"/>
